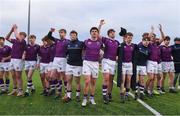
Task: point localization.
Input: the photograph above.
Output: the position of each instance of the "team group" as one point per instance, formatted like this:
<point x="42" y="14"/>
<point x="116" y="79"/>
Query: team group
<point x="62" y="60"/>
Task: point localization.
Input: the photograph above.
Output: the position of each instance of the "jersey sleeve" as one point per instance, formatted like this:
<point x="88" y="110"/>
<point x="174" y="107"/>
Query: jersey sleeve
<point x="12" y="41"/>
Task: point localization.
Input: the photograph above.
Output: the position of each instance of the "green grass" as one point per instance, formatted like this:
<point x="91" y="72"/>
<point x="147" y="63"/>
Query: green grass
<point x="40" y="105"/>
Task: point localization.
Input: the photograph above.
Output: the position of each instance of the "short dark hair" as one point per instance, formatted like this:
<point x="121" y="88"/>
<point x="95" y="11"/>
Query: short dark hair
<point x="32" y="36"/>
<point x="129" y="34"/>
<point x="2" y="38"/>
<point x="64" y="30"/>
<point x="167" y="38"/>
<point x="45" y="38"/>
<point x="177" y="39"/>
<point x="73" y="32"/>
<point x="94" y="28"/>
<point x="23" y="33"/>
<point x="145" y="34"/>
<point x="154" y="34"/>
<point x="145" y="39"/>
<point x="110" y="30"/>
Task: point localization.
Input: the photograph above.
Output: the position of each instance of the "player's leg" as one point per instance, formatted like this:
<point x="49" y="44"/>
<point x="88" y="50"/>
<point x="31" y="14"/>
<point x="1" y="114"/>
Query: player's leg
<point x="162" y="81"/>
<point x="105" y="86"/>
<point x="128" y="85"/>
<point x="77" y="72"/>
<point x="154" y="77"/>
<point x="29" y="73"/>
<point x="175" y="79"/>
<point x="42" y="76"/>
<point x="159" y="77"/>
<point x="129" y="72"/>
<point x="7" y="80"/>
<point x="122" y="88"/>
<point x="12" y="68"/>
<point x="141" y="86"/>
<point x="137" y="82"/>
<point x="27" y="86"/>
<point x="67" y="97"/>
<point x="58" y="85"/>
<point x="64" y="78"/>
<point x="171" y="78"/>
<point x="18" y="73"/>
<point x="2" y="85"/>
<point x="47" y="79"/>
<point x="26" y="68"/>
<point x="55" y="75"/>
<point x="106" y="75"/>
<point x="78" y="87"/>
<point x="14" y="91"/>
<point x="110" y="87"/>
<point x="148" y="84"/>
<point x="53" y="81"/>
<point x="122" y="84"/>
<point x="92" y="89"/>
<point x="94" y="75"/>
<point x="86" y="88"/>
<point x="6" y="76"/>
<point x="19" y="82"/>
<point x="62" y="69"/>
<point x="137" y="86"/>
<point x="43" y="82"/>
<point x="30" y="79"/>
<point x="87" y="76"/>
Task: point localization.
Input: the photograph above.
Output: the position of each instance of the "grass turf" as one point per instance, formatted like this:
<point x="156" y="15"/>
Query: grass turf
<point x="37" y="104"/>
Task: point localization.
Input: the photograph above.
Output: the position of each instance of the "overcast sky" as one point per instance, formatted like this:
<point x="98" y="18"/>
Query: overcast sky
<point x="80" y="15"/>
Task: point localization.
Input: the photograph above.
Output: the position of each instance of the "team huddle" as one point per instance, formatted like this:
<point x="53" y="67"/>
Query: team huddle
<point x="61" y="60"/>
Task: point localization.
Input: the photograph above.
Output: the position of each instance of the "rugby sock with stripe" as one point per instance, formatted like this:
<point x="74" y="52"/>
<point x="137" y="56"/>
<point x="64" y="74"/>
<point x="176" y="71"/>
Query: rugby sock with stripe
<point x="104" y="90"/>
<point x="78" y="92"/>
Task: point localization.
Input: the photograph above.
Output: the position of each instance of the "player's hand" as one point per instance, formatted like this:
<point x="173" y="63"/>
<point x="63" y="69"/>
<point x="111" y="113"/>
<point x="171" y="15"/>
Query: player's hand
<point x="160" y="27"/>
<point x="3" y="60"/>
<point x="152" y="28"/>
<point x="23" y="57"/>
<point x="52" y="29"/>
<point x="102" y="22"/>
<point x="14" y="27"/>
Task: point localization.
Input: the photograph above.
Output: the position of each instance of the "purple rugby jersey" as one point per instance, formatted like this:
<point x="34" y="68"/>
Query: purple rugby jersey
<point x="18" y="48"/>
<point x="61" y="47"/>
<point x="166" y="53"/>
<point x="32" y="52"/>
<point x="92" y="49"/>
<point x="52" y="48"/>
<point x="111" y="48"/>
<point x="45" y="54"/>
<point x="155" y="53"/>
<point x="128" y="53"/>
<point x="5" y="51"/>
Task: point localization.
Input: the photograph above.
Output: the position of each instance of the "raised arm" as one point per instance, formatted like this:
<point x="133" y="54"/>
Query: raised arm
<point x="50" y="34"/>
<point x="9" y="34"/>
<point x="151" y="32"/>
<point x="162" y="33"/>
<point x="101" y="23"/>
<point x="16" y="34"/>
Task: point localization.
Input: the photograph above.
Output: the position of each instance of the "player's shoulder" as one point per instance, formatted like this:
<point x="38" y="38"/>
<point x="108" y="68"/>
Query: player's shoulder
<point x="117" y="41"/>
<point x="86" y="40"/>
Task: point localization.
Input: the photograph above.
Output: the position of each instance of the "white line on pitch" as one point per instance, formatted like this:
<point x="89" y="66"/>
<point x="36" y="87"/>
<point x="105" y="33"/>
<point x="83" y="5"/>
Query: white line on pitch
<point x="144" y="104"/>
